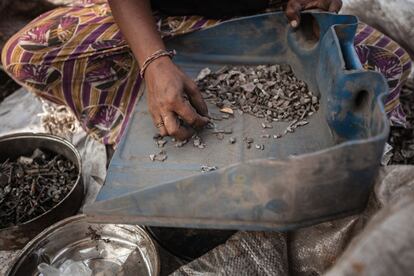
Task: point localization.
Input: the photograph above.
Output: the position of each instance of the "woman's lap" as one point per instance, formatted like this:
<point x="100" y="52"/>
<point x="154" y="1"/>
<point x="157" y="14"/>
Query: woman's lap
<point x="76" y="56"/>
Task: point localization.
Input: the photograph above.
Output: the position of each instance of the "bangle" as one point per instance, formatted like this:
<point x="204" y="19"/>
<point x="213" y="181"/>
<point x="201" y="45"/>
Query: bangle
<point x="154" y="56"/>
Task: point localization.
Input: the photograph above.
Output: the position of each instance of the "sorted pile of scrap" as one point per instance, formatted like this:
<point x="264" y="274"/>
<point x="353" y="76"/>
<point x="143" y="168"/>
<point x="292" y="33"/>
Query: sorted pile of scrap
<point x="30" y="186"/>
<point x="271" y="92"/>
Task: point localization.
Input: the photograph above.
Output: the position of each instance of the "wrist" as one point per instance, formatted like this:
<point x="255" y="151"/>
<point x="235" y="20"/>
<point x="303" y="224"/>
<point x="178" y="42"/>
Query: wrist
<point x="157" y="66"/>
<point x="154" y="57"/>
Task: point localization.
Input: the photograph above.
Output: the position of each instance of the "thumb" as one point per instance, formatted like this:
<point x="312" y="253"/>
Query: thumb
<point x="293" y="9"/>
<point x="335" y="6"/>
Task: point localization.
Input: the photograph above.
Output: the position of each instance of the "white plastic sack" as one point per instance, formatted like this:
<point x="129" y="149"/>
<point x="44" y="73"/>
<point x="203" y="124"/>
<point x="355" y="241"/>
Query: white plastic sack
<point x="394" y="18"/>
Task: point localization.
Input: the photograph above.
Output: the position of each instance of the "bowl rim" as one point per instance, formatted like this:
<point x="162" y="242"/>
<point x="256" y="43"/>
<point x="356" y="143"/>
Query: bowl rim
<point x="51" y="229"/>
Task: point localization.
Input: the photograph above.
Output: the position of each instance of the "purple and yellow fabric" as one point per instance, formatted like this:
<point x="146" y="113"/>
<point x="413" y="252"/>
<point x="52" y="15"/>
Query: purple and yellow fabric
<point x="77" y="56"/>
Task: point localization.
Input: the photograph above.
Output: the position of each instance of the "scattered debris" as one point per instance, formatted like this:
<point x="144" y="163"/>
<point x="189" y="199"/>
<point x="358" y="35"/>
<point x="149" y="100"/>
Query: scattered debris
<point x="161" y="156"/>
<point x="210" y="125"/>
<point x="266" y="125"/>
<point x="30" y="186"/>
<point x="160" y="142"/>
<point x="249" y="141"/>
<point x="259" y="147"/>
<point x="205" y="168"/>
<point x="203" y="73"/>
<point x="224" y="131"/>
<point x="180" y="144"/>
<point x="220" y="136"/>
<point x="265" y="136"/>
<point x="198" y="143"/>
<point x="227" y="110"/>
<point x="232" y="140"/>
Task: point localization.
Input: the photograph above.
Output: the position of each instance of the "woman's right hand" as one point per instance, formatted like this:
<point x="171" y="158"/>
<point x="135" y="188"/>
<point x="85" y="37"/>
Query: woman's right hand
<point x="173" y="95"/>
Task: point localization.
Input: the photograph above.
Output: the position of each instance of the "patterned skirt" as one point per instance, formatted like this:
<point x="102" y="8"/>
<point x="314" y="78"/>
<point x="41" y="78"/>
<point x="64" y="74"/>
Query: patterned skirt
<point x="76" y="56"/>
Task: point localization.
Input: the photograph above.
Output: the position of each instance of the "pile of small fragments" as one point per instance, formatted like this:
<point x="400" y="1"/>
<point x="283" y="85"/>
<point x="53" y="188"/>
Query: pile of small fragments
<point x="271" y="92"/>
<point x="58" y="120"/>
<point x="30" y="186"/>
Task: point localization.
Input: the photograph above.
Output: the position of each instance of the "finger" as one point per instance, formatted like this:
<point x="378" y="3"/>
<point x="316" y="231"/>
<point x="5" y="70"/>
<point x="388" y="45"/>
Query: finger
<point x="157" y="119"/>
<point x="190" y="116"/>
<point x="196" y="99"/>
<point x="335" y="6"/>
<point x="162" y="130"/>
<point x="293" y="9"/>
<point x="174" y="128"/>
<point x="317" y="4"/>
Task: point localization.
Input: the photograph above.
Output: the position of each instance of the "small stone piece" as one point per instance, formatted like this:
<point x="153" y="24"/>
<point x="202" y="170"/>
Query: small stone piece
<point x="266" y="125"/>
<point x="25" y="160"/>
<point x="301" y="123"/>
<point x="224" y="131"/>
<point x="220" y="136"/>
<point x="259" y="147"/>
<point x="161" y="143"/>
<point x="180" y="144"/>
<point x="266" y="136"/>
<point x="38" y="154"/>
<point x="198" y="143"/>
<point x="203" y="73"/>
<point x="205" y="168"/>
<point x="249" y="141"/>
<point x="161" y="156"/>
<point x="157" y="136"/>
<point x="227" y="110"/>
<point x="232" y="140"/>
<point x="210" y="125"/>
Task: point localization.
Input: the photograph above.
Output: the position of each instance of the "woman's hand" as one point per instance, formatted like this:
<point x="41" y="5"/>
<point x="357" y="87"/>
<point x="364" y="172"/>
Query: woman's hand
<point x="173" y="95"/>
<point x="294" y="7"/>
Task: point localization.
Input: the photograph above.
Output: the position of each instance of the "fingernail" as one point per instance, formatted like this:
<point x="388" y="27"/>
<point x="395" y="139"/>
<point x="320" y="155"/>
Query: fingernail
<point x="294" y="23"/>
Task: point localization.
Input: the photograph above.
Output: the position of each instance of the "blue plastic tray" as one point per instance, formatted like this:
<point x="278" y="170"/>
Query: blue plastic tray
<point x="324" y="170"/>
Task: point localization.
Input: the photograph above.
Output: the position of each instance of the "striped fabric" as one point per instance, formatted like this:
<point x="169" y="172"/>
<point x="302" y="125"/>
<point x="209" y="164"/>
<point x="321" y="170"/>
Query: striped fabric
<point x="76" y="56"/>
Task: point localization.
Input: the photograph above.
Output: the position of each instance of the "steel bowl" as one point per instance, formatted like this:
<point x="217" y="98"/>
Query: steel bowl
<point x="15" y="145"/>
<point x="104" y="248"/>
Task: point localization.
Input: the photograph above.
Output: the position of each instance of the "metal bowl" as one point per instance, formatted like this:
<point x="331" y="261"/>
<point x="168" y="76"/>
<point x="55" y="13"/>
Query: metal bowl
<point x="15" y="145"/>
<point x="104" y="248"/>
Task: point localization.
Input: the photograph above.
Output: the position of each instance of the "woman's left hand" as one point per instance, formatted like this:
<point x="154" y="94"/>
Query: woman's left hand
<point x="294" y="7"/>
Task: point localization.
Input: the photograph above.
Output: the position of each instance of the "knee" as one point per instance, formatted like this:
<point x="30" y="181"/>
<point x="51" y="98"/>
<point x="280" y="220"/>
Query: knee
<point x="9" y="56"/>
<point x="26" y="66"/>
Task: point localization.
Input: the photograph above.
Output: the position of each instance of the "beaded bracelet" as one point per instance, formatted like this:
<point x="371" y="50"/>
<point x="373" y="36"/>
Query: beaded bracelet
<point x="154" y="56"/>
